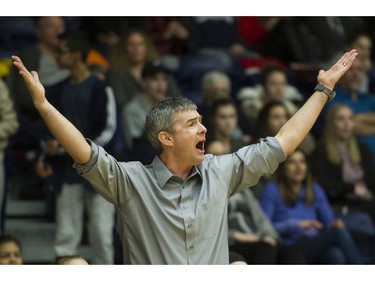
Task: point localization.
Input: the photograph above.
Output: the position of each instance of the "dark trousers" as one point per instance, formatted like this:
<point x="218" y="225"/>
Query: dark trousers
<point x="332" y="246"/>
<point x="264" y="253"/>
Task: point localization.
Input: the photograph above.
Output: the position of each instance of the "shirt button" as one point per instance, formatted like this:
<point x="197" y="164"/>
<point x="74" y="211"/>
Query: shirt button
<point x="184" y="207"/>
<point x="191" y="247"/>
<point x="189" y="225"/>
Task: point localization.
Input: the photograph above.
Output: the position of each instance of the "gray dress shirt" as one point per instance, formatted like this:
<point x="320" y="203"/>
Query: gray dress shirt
<point x="165" y="220"/>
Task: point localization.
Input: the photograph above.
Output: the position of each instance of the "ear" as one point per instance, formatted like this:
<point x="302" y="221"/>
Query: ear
<point x="166" y="139"/>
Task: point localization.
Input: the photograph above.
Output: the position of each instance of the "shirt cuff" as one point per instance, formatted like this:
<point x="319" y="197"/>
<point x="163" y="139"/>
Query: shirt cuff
<point x="276" y="148"/>
<point x="84" y="168"/>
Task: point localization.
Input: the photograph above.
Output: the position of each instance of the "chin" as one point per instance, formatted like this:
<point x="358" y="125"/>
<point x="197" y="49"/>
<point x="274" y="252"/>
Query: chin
<point x="198" y="160"/>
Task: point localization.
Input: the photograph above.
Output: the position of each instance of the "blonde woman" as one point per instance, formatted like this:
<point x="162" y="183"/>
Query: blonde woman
<point x="343" y="166"/>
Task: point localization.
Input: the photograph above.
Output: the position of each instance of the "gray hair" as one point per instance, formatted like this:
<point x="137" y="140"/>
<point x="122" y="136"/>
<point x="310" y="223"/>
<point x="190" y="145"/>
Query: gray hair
<point x="161" y="118"/>
<point x="213" y="76"/>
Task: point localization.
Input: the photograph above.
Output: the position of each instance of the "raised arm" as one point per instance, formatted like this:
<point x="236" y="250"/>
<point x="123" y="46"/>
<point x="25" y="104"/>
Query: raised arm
<point x="66" y="134"/>
<point x="295" y="130"/>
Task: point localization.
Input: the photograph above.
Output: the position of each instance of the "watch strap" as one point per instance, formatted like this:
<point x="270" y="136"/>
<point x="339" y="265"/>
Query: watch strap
<point x="321" y="88"/>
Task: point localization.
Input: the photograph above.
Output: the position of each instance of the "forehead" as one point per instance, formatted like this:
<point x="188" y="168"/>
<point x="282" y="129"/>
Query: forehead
<point x="297" y="155"/>
<point x="226" y="108"/>
<point x="185" y="115"/>
<point x="48" y="21"/>
<point x="277" y="109"/>
<point x="343" y="111"/>
<point x="158" y="75"/>
<point x="9" y="246"/>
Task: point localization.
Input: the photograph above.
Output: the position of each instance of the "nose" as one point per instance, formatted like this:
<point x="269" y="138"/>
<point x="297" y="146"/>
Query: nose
<point x="13" y="260"/>
<point x="203" y="129"/>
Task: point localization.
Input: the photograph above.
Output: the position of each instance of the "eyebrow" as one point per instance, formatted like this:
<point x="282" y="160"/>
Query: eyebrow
<point x="195" y="118"/>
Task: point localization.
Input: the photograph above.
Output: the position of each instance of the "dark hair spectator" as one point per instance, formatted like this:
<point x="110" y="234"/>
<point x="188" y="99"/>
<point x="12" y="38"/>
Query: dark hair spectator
<point x="10" y="250"/>
<point x="302" y="216"/>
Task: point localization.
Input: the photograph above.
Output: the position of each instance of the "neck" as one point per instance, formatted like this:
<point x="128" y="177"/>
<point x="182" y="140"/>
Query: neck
<point x="296" y="187"/>
<point x="80" y="72"/>
<point x="136" y="71"/>
<point x="175" y="166"/>
<point x="149" y="99"/>
<point x="342" y="144"/>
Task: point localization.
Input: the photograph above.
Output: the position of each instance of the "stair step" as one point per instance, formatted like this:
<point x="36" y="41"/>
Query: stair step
<point x="37" y="238"/>
<point x="25" y="208"/>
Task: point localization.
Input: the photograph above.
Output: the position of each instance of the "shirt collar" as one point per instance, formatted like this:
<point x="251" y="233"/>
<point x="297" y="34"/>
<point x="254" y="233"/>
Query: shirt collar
<point x="163" y="174"/>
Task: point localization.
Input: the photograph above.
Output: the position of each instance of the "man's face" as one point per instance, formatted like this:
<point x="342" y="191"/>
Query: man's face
<point x="156" y="86"/>
<point x="189" y="137"/>
<point x="65" y="57"/>
<point x="275" y="86"/>
<point x="363" y="45"/>
<point x="225" y="120"/>
<point x="49" y="29"/>
<point x="218" y="89"/>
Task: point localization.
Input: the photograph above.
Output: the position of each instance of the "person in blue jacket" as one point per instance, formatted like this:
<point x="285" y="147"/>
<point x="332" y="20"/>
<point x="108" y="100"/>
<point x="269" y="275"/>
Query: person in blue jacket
<point x="300" y="212"/>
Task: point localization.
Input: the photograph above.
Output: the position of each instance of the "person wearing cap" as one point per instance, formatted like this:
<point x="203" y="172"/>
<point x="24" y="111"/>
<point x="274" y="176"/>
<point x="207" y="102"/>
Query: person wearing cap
<point x="174" y="211"/>
<point x="155" y="84"/>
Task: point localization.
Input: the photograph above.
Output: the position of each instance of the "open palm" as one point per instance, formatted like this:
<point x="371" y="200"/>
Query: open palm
<point x="32" y="82"/>
<point x="332" y="75"/>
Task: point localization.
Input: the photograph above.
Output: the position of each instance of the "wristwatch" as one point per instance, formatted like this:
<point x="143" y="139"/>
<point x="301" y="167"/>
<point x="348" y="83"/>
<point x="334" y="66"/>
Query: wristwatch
<point x="321" y="88"/>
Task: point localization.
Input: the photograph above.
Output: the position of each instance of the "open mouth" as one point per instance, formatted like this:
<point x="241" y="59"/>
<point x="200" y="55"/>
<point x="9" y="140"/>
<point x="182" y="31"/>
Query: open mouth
<point x="200" y="145"/>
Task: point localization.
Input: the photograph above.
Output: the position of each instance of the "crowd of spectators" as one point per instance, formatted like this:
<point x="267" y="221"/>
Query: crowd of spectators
<point x="247" y="75"/>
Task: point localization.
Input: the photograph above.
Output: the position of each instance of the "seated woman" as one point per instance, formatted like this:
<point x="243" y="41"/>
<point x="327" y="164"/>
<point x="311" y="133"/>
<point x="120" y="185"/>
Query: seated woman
<point x="301" y="214"/>
<point x="271" y="118"/>
<point x="343" y="166"/>
<point x="252" y="235"/>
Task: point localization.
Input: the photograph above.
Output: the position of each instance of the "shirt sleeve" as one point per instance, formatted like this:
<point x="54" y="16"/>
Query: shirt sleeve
<point x="107" y="175"/>
<point x="250" y="163"/>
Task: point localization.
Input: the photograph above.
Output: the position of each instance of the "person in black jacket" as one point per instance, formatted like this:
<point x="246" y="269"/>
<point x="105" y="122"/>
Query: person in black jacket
<point x="89" y="103"/>
<point x="343" y="166"/>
